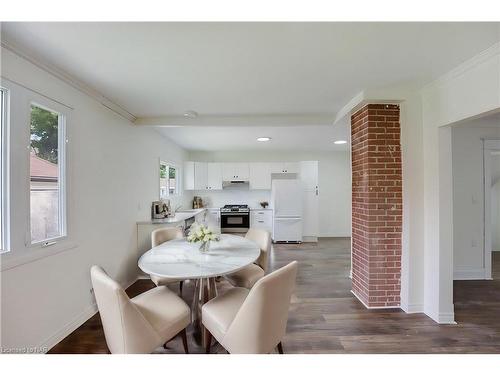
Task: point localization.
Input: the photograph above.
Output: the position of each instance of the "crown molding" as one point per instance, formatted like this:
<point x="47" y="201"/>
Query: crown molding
<point x="238" y="120"/>
<point x="487" y="54"/>
<point x="68" y="79"/>
<point x="367" y="97"/>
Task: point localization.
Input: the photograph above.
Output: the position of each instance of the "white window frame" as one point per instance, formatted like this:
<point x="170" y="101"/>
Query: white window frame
<point x="62" y="160"/>
<point x="177" y="179"/>
<point x="4" y="172"/>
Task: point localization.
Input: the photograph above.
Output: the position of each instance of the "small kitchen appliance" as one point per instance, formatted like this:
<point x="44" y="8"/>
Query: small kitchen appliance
<point x="160" y="209"/>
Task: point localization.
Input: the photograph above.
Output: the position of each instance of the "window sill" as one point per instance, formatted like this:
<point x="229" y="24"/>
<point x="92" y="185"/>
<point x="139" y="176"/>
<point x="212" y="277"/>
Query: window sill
<point x="13" y="259"/>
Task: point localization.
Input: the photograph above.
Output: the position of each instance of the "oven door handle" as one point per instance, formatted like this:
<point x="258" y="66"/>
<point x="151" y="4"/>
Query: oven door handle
<point x="234" y="213"/>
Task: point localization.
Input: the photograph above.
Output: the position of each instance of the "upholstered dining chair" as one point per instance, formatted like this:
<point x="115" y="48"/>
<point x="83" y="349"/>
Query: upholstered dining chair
<point x="159" y="236"/>
<point x="254" y="321"/>
<point x="140" y="324"/>
<point x="249" y="275"/>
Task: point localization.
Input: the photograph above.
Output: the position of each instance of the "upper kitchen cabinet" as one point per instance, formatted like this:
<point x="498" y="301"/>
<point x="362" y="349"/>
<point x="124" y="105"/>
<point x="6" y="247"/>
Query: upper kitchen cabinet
<point x="188" y="174"/>
<point x="200" y="176"/>
<point x="214" y="176"/>
<point x="260" y="175"/>
<point x="285" y="167"/>
<point x="235" y="171"/>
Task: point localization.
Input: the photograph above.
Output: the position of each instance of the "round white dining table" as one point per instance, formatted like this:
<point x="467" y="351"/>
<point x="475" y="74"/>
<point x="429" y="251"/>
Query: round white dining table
<point x="182" y="260"/>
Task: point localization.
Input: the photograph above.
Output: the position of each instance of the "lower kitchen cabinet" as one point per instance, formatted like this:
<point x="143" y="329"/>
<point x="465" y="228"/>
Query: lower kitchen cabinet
<point x="213" y="219"/>
<point x="262" y="219"/>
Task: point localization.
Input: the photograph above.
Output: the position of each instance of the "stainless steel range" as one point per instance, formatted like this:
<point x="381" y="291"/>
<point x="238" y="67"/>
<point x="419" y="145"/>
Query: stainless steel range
<point x="235" y="218"/>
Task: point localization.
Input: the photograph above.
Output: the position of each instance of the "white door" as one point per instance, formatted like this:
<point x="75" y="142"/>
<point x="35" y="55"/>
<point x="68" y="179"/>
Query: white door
<point x="200" y="176"/>
<point x="310" y="214"/>
<point x="288" y="229"/>
<point x="188" y="174"/>
<point x="260" y="176"/>
<point x="308" y="174"/>
<point x="214" y="176"/>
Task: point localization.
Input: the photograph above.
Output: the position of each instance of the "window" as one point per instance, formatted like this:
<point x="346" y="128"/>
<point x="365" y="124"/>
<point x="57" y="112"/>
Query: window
<point x="3" y="172"/>
<point x="169" y="180"/>
<point x="47" y="175"/>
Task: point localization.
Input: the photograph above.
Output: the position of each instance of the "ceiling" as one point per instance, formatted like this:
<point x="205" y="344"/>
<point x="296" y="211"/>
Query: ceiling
<point x="299" y="138"/>
<point x="245" y="69"/>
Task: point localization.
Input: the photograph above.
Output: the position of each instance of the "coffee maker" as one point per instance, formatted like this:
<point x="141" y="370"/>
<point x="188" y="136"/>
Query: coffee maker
<point x="160" y="209"/>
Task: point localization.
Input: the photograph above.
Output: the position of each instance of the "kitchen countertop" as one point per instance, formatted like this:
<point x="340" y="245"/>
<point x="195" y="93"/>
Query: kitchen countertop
<point x="260" y="209"/>
<point x="179" y="217"/>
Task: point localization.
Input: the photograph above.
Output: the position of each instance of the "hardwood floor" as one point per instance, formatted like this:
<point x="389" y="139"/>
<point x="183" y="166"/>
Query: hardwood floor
<point x="326" y="318"/>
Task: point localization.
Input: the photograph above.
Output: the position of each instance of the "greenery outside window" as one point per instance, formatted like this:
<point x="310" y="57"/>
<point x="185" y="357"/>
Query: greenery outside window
<point x="169" y="180"/>
<point x="47" y="175"/>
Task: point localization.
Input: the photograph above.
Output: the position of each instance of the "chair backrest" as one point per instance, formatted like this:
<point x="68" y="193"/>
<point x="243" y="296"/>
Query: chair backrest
<point x="125" y="328"/>
<point x="262" y="238"/>
<point x="161" y="235"/>
<point x="260" y="324"/>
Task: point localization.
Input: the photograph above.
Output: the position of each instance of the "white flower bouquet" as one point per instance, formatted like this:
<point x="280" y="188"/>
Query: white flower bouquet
<point x="202" y="234"/>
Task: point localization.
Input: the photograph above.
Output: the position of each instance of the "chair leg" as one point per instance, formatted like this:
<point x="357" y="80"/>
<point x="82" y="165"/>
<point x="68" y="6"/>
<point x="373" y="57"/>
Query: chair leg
<point x="184" y="340"/>
<point x="208" y="341"/>
<point x="181" y="283"/>
<point x="280" y="348"/>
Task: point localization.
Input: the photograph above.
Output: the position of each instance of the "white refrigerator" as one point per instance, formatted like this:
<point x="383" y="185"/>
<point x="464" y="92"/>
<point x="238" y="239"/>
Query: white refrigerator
<point x="286" y="201"/>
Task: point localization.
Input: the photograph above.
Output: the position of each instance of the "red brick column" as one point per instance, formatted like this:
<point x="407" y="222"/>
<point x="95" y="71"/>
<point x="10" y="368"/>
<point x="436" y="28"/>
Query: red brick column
<point x="377" y="205"/>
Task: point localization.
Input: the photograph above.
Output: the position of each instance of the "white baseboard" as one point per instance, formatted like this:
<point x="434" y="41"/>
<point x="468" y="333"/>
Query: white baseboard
<point x="376" y="307"/>
<point x="69" y="327"/>
<point x="76" y="322"/>
<point x="446" y="318"/>
<point x="309" y="239"/>
<point x="469" y="274"/>
<point x="413" y="308"/>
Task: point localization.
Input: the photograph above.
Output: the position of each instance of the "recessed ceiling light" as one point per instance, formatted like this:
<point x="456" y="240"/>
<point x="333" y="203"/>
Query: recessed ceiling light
<point x="190" y="114"/>
<point x="340" y="142"/>
<point x="263" y="139"/>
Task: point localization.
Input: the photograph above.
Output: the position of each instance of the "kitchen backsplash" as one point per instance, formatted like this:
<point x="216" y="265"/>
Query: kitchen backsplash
<point x="220" y="198"/>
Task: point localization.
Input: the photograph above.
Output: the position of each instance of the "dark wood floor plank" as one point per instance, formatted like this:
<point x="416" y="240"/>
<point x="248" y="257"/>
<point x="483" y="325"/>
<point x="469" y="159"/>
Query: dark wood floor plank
<point x="326" y="318"/>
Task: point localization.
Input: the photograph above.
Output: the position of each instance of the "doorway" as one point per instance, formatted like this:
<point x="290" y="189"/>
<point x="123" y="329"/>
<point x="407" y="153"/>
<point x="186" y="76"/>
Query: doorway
<point x="492" y="208"/>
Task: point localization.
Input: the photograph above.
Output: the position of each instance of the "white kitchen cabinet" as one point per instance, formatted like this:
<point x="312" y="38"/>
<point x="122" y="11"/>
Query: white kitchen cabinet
<point x="235" y="171"/>
<point x="260" y="176"/>
<point x="214" y="176"/>
<point x="285" y="167"/>
<point x="262" y="219"/>
<point x="200" y="175"/>
<point x="188" y="174"/>
<point x="213" y="219"/>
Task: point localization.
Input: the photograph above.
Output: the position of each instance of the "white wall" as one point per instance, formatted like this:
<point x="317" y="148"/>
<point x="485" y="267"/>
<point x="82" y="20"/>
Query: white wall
<point x="469" y="90"/>
<point x="113" y="177"/>
<point x="334" y="185"/>
<point x="468" y="196"/>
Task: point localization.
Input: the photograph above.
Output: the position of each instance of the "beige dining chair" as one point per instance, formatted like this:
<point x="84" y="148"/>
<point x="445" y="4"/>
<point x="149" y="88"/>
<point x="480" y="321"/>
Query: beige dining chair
<point x="249" y="275"/>
<point x="140" y="324"/>
<point x="254" y="321"/>
<point x="159" y="236"/>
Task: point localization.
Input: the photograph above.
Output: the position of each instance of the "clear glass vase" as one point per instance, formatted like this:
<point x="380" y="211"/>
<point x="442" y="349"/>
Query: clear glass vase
<point x="205" y="247"/>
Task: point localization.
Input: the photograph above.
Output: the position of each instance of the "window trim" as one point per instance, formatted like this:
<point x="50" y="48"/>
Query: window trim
<point x="5" y="171"/>
<point x="178" y="175"/>
<point x="62" y="162"/>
